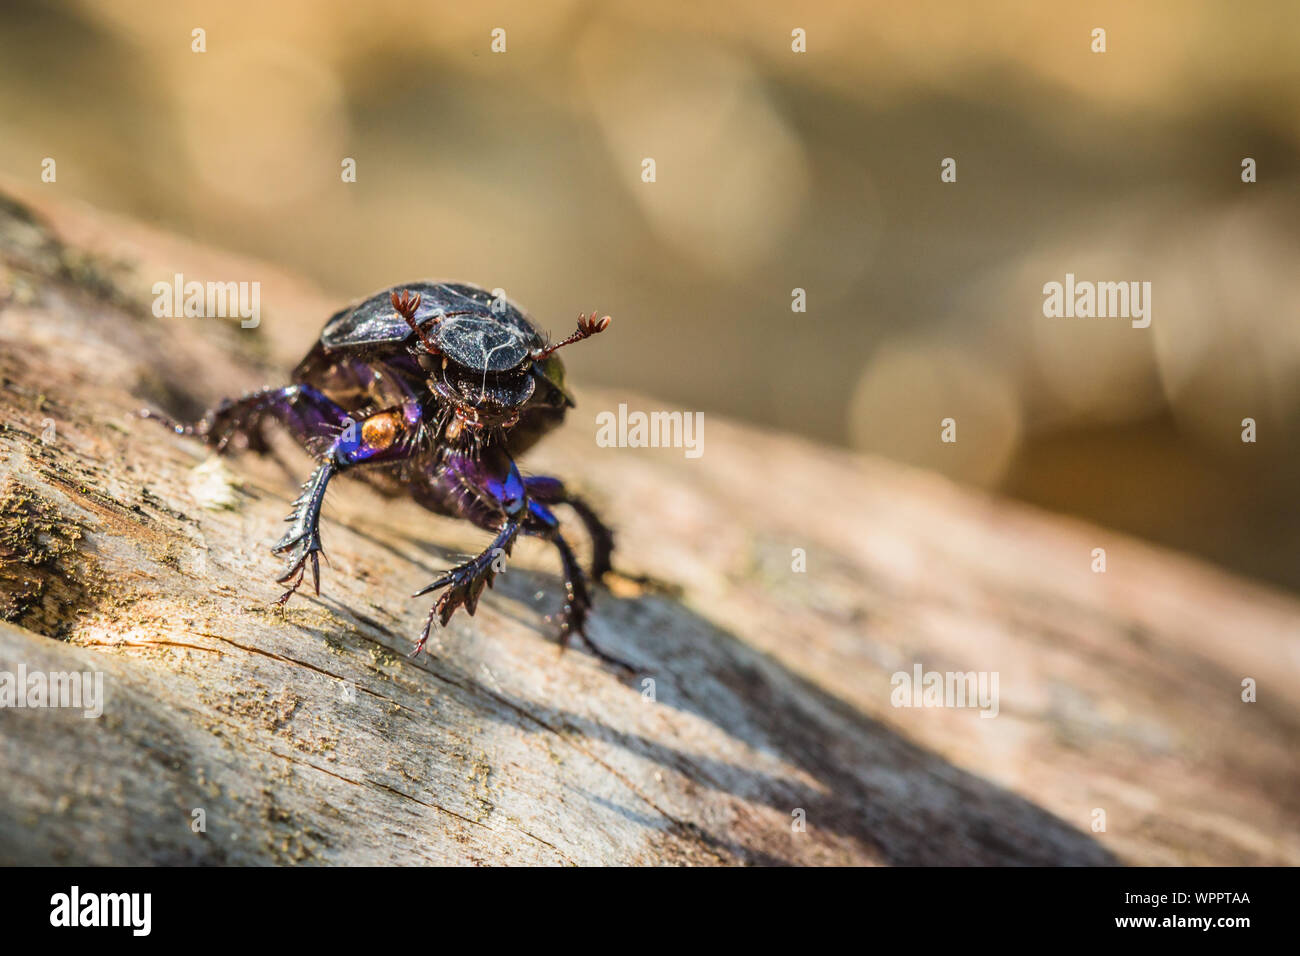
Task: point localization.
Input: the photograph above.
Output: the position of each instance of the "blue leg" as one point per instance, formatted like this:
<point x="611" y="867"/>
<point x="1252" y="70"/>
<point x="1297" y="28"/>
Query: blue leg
<point x="466" y="582"/>
<point x="486" y="490"/>
<point x="312" y="419"/>
<point x="550" y="490"/>
<point x="386" y="436"/>
<point x="327" y="432"/>
<point x="489" y="491"/>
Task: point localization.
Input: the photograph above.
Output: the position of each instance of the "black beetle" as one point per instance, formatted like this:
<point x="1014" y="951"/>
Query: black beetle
<point x="428" y="389"/>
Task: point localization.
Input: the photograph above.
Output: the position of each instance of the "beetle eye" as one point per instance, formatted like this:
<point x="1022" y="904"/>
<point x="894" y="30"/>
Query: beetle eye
<point x="427" y="362"/>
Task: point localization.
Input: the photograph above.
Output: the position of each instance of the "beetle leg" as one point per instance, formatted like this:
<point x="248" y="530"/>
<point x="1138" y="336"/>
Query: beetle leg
<point x="312" y="418"/>
<point x="386" y="436"/>
<point x="302" y="540"/>
<point x="550" y="490"/>
<point x="465" y="582"/>
<point x="488" y="490"/>
<point x="542" y="523"/>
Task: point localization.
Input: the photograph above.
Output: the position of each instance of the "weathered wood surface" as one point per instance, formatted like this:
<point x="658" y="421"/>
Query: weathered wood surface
<point x="310" y="737"/>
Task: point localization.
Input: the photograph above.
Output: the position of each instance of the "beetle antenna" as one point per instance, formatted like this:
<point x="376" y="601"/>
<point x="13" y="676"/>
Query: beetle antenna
<point x="406" y="306"/>
<point x="587" y="327"/>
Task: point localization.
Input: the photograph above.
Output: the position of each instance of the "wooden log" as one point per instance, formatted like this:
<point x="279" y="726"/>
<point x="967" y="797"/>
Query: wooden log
<point x="232" y="732"/>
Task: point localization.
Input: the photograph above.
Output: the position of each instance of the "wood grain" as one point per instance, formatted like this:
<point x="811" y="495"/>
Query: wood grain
<point x="308" y="736"/>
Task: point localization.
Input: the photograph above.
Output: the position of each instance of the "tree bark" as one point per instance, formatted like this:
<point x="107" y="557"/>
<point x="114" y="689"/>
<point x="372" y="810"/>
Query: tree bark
<point x="761" y="730"/>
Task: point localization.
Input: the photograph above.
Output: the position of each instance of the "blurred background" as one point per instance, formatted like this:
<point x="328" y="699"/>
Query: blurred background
<point x="775" y="171"/>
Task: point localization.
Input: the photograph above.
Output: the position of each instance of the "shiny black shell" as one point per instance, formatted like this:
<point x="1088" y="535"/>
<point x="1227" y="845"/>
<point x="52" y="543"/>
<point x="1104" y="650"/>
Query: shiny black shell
<point x="477" y="330"/>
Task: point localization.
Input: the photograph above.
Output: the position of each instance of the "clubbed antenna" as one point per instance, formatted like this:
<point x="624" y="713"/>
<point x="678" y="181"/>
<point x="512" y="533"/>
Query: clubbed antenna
<point x="406" y="306"/>
<point x="587" y="326"/>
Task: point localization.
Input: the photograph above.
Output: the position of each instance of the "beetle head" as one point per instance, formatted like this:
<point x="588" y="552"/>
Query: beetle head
<point x="478" y="401"/>
<point x="484" y="372"/>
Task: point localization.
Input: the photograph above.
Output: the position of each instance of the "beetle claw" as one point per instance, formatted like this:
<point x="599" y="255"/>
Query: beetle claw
<point x="304" y="549"/>
<point x="465" y="583"/>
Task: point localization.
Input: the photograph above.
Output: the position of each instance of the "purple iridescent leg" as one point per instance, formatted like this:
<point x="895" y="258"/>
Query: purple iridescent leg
<point x="386" y="436"/>
<point x="311" y="418"/>
<point x="489" y="491"/>
<point x="325" y="430"/>
<point x="465" y="582"/>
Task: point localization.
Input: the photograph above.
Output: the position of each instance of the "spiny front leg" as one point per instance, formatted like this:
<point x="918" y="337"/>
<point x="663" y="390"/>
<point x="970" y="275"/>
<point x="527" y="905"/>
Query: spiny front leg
<point x="486" y="490"/>
<point x="318" y="424"/>
<point x="302" y="540"/>
<point x="465" y="583"/>
<point x="386" y="436"/>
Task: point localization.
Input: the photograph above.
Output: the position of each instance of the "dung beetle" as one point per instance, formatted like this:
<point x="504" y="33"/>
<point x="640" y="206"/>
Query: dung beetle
<point x="428" y="389"/>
